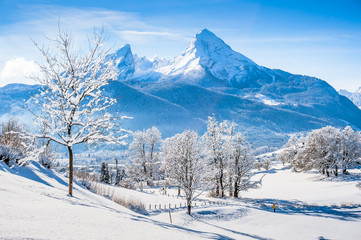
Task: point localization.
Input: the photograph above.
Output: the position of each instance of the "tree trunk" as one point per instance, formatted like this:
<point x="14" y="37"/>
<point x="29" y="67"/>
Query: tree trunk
<point x="179" y="188"/>
<point x="235" y="189"/>
<point x="70" y="171"/>
<point x="217" y="187"/>
<point x="230" y="187"/>
<point x="221" y="183"/>
<point x="189" y="209"/>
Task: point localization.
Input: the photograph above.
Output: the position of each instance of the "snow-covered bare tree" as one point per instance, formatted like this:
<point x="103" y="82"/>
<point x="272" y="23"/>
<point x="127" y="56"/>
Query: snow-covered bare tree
<point x="184" y="163"/>
<point x="240" y="164"/>
<point x="144" y="154"/>
<point x="213" y="148"/>
<point x="321" y="151"/>
<point x="327" y="149"/>
<point x="154" y="139"/>
<point x="14" y="135"/>
<point x="350" y="147"/>
<point x="74" y="110"/>
<point x="216" y="150"/>
<point x="137" y="169"/>
<point x="290" y="149"/>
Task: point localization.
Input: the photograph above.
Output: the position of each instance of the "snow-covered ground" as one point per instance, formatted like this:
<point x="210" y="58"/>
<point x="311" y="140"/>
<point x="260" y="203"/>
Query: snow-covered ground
<point x="34" y="205"/>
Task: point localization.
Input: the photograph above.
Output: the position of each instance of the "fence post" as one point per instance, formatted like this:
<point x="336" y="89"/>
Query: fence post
<point x="150" y="206"/>
<point x="170" y="217"/>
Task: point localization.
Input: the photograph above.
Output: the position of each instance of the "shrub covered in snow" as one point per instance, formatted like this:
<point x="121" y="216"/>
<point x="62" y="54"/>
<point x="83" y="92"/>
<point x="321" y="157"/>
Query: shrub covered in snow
<point x="45" y="161"/>
<point x="8" y="155"/>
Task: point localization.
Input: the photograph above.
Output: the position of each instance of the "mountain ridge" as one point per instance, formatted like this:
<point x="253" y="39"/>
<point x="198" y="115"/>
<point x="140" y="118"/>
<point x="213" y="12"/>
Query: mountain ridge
<point x="211" y="78"/>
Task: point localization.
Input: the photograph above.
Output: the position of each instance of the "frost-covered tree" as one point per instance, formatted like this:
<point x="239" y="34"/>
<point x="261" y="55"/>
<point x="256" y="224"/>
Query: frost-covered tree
<point x="213" y="148"/>
<point x="104" y="173"/>
<point x="184" y="163"/>
<point x="240" y="164"/>
<point x="154" y="139"/>
<point x="119" y="174"/>
<point x="290" y="149"/>
<point x="327" y="149"/>
<point x="144" y="154"/>
<point x="14" y="135"/>
<point x="74" y="110"/>
<point x="137" y="170"/>
<point x="8" y="155"/>
<point x="350" y="147"/>
<point x="217" y="151"/>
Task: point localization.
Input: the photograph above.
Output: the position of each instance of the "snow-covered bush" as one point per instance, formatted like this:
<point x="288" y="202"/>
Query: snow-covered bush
<point x="111" y="193"/>
<point x="263" y="149"/>
<point x="127" y="183"/>
<point x="14" y="135"/>
<point x="46" y="161"/>
<point x="8" y="155"/>
<point x="84" y="178"/>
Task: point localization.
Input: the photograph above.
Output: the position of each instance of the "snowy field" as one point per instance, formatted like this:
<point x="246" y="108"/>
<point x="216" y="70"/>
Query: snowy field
<point x="34" y="205"/>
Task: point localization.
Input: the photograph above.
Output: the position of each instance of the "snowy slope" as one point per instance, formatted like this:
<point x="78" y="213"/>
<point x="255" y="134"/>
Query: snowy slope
<point x="34" y="205"/>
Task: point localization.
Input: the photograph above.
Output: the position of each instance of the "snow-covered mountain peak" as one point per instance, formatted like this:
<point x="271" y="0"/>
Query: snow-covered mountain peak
<point x="209" y="61"/>
<point x="206" y="45"/>
<point x="124" y="61"/>
<point x="123" y="51"/>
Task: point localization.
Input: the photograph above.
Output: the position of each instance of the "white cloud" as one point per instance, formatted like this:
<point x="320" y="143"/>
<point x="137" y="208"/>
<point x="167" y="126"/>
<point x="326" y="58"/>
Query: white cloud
<point x="37" y="21"/>
<point x="18" y="70"/>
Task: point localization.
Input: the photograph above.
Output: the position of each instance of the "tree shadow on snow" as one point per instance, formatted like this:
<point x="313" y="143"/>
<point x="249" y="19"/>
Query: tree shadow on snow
<point x="348" y="177"/>
<point x="296" y="207"/>
<point x="197" y="234"/>
<point x="202" y="234"/>
<point x="29" y="173"/>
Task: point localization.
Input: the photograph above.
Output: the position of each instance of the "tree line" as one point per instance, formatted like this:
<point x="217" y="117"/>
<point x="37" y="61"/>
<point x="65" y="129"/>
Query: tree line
<point x="220" y="160"/>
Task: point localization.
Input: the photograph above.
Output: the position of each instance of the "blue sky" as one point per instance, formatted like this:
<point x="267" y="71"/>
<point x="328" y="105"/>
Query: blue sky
<point x="316" y="38"/>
